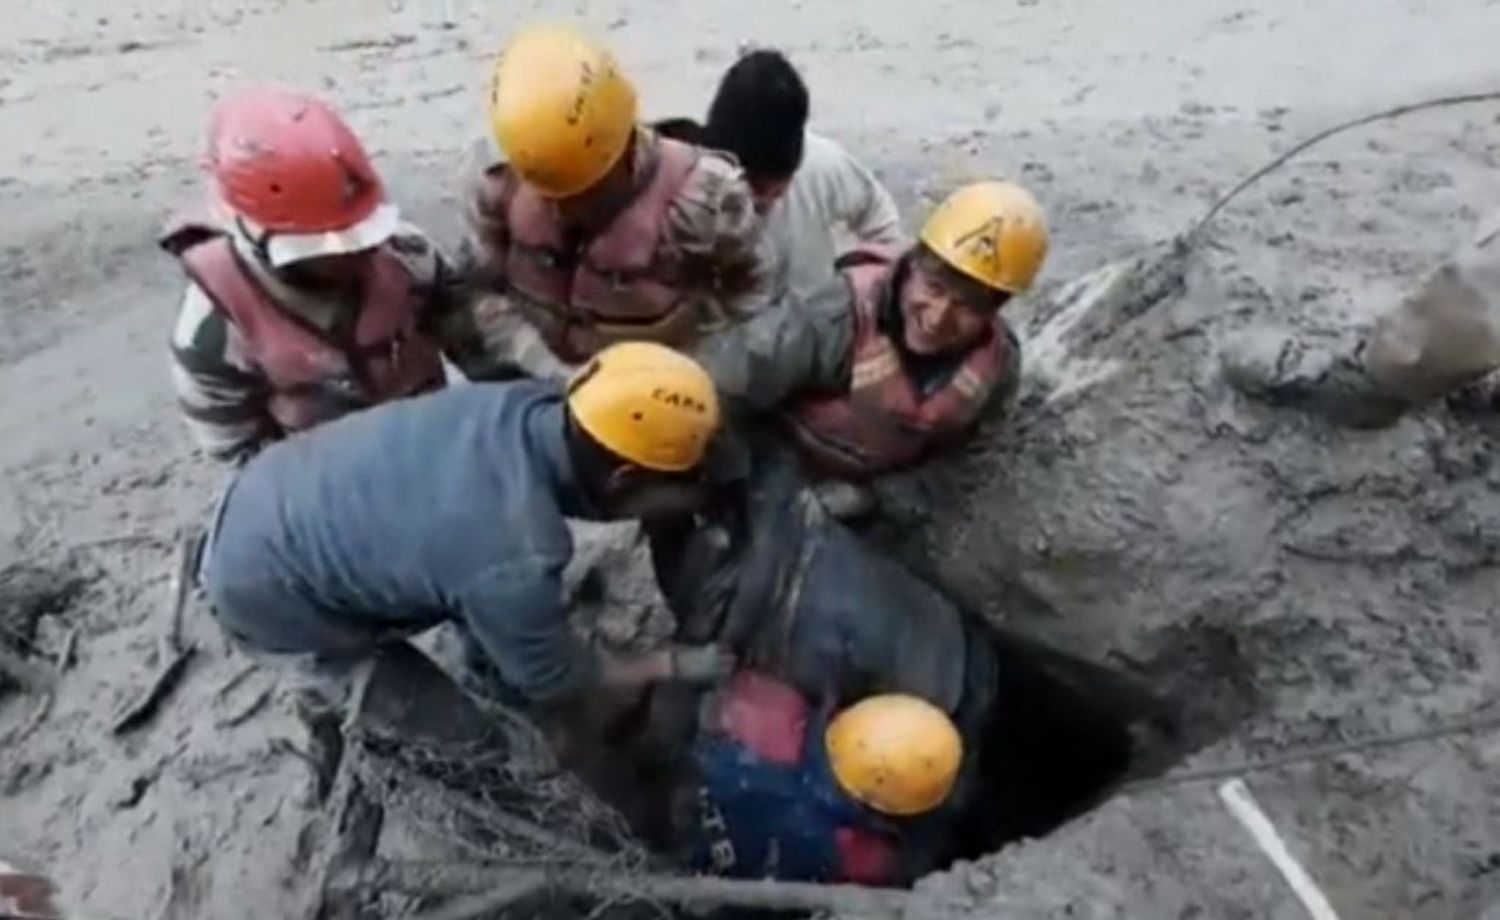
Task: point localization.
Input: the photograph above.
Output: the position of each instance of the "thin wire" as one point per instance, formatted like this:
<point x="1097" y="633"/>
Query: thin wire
<point x="1278" y="162"/>
<point x="1470" y="725"/>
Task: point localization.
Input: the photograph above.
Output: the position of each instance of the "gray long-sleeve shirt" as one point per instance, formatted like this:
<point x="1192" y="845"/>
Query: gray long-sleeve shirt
<point x="444" y="507"/>
<point x="798" y="346"/>
<point x="805" y="346"/>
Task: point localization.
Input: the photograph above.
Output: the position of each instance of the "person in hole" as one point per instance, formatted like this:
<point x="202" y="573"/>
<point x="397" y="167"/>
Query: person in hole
<point x="308" y="298"/>
<point x="587" y="227"/>
<point x="781" y="790"/>
<point x="799" y="597"/>
<point x="452" y="508"/>
<point x="904" y="352"/>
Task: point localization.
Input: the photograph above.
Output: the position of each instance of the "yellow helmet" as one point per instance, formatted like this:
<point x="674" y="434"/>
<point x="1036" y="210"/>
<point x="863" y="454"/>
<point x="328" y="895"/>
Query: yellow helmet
<point x="895" y="753"/>
<point x="647" y="404"/>
<point x="993" y="232"/>
<point x="561" y="110"/>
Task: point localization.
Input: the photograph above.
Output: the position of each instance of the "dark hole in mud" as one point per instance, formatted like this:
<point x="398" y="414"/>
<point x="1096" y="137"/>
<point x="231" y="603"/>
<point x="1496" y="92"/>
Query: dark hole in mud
<point x="1061" y="736"/>
<point x="1064" y="734"/>
<point x="28" y="593"/>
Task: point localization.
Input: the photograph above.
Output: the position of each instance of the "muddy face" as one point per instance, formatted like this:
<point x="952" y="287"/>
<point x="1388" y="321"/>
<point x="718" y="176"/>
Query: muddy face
<point x="938" y="315"/>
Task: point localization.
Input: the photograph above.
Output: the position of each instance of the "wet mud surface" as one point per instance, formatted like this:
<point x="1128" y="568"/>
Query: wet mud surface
<point x="1286" y="585"/>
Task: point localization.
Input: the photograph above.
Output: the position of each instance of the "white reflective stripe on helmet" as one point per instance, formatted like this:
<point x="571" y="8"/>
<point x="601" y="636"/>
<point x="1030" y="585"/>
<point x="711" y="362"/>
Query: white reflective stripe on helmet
<point x="286" y="248"/>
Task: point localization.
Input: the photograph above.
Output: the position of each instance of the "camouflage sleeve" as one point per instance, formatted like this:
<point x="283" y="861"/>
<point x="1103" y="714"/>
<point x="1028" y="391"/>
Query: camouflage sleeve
<point x="450" y="313"/>
<point x="713" y="228"/>
<point x="512" y="344"/>
<point x="222" y="396"/>
<point x="481" y="256"/>
<point x="789" y="348"/>
<point x="507" y="345"/>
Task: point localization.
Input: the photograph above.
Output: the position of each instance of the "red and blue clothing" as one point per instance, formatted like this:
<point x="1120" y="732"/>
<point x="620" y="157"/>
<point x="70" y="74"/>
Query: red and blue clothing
<point x="768" y="805"/>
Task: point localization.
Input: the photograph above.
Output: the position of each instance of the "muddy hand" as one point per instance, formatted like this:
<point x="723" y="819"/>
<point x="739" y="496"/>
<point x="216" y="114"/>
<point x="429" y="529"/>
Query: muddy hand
<point x="702" y="664"/>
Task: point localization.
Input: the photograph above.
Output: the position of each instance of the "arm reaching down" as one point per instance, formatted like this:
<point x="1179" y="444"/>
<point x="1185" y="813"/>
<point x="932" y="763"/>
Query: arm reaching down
<point x="512" y="342"/>
<point x="450" y="313"/>
<point x="515" y="610"/>
<point x="788" y="349"/>
<point x="517" y="614"/>
<point x="713" y="230"/>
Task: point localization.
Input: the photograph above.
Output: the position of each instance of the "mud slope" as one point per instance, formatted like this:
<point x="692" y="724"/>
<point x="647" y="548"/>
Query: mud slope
<point x="1346" y="578"/>
<point x="1293" y="586"/>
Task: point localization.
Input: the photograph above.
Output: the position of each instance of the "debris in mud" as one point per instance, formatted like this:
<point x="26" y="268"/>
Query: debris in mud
<point x="457" y="778"/>
<point x="366" y="44"/>
<point x="480" y="889"/>
<point x="135" y="790"/>
<point x="174" y="655"/>
<point x="248" y="711"/>
<point x="28" y="593"/>
<point x="145" y="707"/>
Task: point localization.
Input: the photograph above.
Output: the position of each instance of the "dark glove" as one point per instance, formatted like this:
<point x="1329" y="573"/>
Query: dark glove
<point x="702" y="664"/>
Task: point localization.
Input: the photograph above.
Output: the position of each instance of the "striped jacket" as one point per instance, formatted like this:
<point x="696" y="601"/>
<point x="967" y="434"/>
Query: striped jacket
<point x="222" y="394"/>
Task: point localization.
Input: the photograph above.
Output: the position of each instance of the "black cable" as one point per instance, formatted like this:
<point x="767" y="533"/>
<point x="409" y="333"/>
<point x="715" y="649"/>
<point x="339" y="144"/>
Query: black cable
<point x="1472" y="723"/>
<point x="1278" y="162"/>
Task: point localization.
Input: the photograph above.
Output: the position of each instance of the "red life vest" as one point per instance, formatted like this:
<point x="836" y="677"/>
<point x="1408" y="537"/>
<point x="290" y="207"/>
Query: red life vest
<point x="314" y="379"/>
<point x="884" y="422"/>
<point x="614" y="286"/>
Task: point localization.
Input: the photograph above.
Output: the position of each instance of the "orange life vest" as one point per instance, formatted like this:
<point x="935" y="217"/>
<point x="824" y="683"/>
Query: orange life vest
<point x="884" y="422"/>
<point x="313" y="378"/>
<point x="612" y="287"/>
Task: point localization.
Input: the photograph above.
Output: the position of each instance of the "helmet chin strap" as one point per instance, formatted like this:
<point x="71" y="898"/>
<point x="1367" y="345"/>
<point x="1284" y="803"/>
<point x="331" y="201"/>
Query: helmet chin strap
<point x="259" y="242"/>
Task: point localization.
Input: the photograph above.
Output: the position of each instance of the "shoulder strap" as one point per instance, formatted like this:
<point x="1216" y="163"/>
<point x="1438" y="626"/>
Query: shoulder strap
<point x="184" y="232"/>
<point x="215" y="268"/>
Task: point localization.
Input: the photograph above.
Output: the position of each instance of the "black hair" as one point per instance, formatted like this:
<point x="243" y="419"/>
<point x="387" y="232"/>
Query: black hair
<point x="759" y="115"/>
<point x="680" y="129"/>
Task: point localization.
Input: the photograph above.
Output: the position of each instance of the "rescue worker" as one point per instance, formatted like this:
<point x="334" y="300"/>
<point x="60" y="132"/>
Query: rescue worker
<point x="781" y="791"/>
<point x="307" y="297"/>
<point x="1441" y="340"/>
<point x="819" y="201"/>
<point x="903" y="357"/>
<point x="592" y="227"/>
<point x="801" y="598"/>
<point x="452" y="507"/>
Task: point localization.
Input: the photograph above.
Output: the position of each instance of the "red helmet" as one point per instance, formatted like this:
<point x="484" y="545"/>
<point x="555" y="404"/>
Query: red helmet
<point x="289" y="164"/>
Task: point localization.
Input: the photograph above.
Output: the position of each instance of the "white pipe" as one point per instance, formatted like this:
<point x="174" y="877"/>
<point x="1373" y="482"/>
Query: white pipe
<point x="1237" y="798"/>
